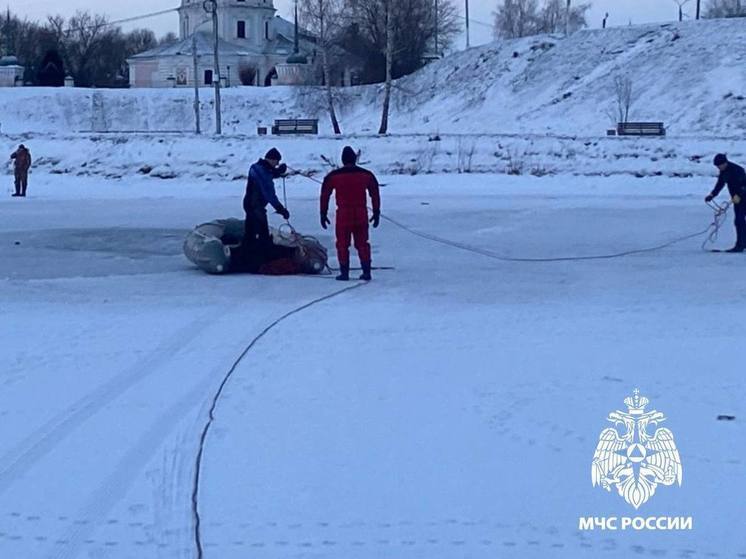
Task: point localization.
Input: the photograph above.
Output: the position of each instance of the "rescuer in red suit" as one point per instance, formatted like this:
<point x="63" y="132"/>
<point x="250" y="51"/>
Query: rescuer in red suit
<point x="350" y="185"/>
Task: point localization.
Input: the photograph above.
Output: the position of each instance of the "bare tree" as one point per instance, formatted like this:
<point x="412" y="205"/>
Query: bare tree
<point x="725" y="8"/>
<point x="247" y="73"/>
<point x="623" y="98"/>
<point x="168" y="39"/>
<point x="415" y="24"/>
<point x="388" y="15"/>
<point x="557" y="15"/>
<point x="681" y="4"/>
<point x="323" y="18"/>
<point x="81" y="39"/>
<point x="516" y="18"/>
<point x="140" y="40"/>
<point x="521" y="18"/>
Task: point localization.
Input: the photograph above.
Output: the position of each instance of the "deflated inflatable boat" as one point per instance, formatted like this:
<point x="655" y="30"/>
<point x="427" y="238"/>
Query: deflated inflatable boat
<point x="215" y="247"/>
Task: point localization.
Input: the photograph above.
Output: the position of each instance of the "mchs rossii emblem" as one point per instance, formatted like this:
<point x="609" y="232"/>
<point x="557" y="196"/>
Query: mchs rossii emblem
<point x="634" y="456"/>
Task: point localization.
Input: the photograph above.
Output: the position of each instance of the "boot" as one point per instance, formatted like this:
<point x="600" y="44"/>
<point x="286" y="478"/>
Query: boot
<point x="365" y="276"/>
<point x="344" y="273"/>
<point x="15" y="194"/>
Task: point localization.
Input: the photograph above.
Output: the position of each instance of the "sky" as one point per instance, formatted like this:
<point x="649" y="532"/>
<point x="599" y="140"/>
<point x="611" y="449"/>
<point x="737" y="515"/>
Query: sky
<point x="621" y="12"/>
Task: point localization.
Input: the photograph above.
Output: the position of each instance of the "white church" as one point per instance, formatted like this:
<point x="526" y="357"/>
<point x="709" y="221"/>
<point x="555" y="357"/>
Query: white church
<point x="256" y="47"/>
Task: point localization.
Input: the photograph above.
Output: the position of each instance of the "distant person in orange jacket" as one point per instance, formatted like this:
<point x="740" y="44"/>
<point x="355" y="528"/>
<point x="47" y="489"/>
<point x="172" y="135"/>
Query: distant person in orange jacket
<point x="351" y="185"/>
<point x="22" y="163"/>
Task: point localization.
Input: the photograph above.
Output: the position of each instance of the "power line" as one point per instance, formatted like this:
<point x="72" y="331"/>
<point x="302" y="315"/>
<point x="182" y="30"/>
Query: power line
<point x="144" y="16"/>
<point x="472" y="20"/>
<point x="120" y="21"/>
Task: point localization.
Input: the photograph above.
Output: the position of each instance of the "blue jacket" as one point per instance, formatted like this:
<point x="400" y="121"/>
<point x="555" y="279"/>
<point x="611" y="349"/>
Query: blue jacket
<point x="260" y="188"/>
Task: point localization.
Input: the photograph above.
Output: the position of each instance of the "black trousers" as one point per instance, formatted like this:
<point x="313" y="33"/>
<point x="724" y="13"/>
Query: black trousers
<point x="740" y="222"/>
<point x="256" y="229"/>
<point x="21" y="183"/>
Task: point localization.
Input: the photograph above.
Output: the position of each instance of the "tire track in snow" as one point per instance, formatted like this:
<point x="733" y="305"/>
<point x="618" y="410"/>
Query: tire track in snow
<point x="115" y="487"/>
<point x="19" y="459"/>
<point x="211" y="415"/>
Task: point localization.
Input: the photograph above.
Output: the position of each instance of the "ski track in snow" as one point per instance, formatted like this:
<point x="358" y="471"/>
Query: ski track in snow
<point x="17" y="461"/>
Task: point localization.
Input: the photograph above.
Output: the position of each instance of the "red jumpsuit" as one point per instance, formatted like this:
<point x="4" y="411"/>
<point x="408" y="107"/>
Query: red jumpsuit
<point x="350" y="185"/>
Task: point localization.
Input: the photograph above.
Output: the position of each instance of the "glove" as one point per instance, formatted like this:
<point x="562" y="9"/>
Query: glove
<point x="282" y="169"/>
<point x="325" y="221"/>
<point x="282" y="210"/>
<point x="376" y="219"/>
<point x="736" y="199"/>
<point x="709" y="198"/>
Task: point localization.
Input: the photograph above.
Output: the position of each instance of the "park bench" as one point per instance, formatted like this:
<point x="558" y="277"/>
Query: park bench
<point x="641" y="129"/>
<point x="296" y="126"/>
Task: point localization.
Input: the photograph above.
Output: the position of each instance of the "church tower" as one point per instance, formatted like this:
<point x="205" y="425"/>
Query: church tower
<point x="246" y="22"/>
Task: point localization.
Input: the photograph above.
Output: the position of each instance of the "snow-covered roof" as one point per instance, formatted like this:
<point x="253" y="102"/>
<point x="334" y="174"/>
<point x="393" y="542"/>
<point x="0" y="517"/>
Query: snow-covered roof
<point x="281" y="45"/>
<point x="204" y="44"/>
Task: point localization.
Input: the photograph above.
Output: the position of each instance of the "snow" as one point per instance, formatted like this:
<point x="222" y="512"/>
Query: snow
<point x="688" y="75"/>
<point x="450" y="408"/>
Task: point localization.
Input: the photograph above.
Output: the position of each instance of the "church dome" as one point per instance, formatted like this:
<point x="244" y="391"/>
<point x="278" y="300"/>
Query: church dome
<point x="8" y="61"/>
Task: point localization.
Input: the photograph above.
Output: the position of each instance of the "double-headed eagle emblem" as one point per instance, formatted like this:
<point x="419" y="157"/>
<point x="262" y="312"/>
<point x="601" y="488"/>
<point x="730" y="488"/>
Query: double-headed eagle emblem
<point x="629" y="458"/>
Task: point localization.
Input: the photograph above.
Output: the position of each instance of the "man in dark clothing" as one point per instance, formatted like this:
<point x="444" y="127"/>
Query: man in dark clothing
<point x="22" y="160"/>
<point x="734" y="176"/>
<point x="260" y="191"/>
<point x="350" y="185"/>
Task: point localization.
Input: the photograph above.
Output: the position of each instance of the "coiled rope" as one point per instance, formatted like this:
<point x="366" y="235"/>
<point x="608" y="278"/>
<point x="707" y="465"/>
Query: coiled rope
<point x="720" y="212"/>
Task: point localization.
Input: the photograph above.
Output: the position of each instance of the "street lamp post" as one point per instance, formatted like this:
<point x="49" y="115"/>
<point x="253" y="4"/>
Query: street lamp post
<point x="467" y="24"/>
<point x="196" y="83"/>
<point x="211" y="7"/>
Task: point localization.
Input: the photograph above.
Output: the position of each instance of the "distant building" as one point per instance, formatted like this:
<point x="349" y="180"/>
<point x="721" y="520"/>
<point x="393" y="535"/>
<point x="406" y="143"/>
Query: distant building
<point x="11" y="72"/>
<point x="256" y="47"/>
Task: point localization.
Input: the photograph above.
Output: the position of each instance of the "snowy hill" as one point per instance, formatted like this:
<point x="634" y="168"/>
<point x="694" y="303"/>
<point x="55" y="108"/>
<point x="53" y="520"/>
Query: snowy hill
<point x="690" y="75"/>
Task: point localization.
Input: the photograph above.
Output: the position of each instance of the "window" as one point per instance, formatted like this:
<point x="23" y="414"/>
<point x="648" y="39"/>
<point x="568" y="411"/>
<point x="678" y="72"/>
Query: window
<point x="266" y="30"/>
<point x="241" y="31"/>
<point x="208" y="77"/>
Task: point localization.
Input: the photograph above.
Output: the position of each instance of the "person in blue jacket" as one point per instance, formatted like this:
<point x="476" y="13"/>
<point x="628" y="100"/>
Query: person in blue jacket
<point x="260" y="191"/>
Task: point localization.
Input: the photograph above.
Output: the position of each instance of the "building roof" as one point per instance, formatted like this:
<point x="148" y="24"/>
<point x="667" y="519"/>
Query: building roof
<point x="183" y="47"/>
<point x="282" y="45"/>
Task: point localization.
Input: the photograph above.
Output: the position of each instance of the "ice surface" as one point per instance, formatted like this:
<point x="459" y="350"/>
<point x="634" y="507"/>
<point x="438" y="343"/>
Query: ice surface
<point x="449" y="409"/>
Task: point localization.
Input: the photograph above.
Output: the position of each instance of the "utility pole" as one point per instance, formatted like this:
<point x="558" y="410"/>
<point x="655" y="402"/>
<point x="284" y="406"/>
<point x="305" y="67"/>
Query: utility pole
<point x="567" y="18"/>
<point x="196" y="83"/>
<point x="436" y="28"/>
<point x="211" y="7"/>
<point x="467" y="24"/>
<point x="698" y="6"/>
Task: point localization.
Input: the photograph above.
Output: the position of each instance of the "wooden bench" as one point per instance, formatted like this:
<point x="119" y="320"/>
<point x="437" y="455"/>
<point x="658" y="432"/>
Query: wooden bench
<point x="641" y="129"/>
<point x="296" y="126"/>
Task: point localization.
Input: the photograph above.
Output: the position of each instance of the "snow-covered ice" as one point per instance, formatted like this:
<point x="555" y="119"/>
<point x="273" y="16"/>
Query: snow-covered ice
<point x="451" y="408"/>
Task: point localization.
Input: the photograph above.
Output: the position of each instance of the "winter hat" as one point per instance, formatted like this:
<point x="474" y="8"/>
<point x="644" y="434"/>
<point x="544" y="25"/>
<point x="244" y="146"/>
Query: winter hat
<point x="273" y="154"/>
<point x="349" y="157"/>
<point x="720" y="158"/>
